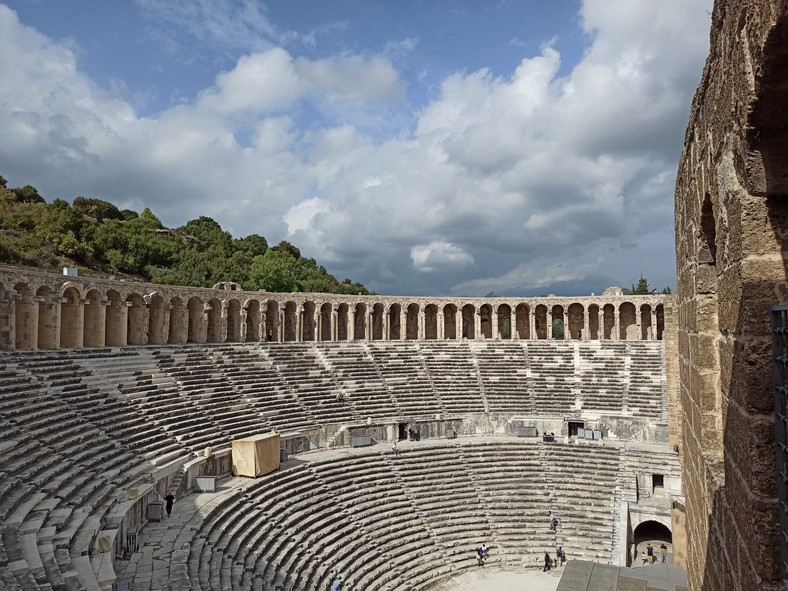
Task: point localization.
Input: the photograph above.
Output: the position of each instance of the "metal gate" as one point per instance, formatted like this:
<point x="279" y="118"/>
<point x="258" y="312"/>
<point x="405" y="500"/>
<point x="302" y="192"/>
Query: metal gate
<point x="780" y="379"/>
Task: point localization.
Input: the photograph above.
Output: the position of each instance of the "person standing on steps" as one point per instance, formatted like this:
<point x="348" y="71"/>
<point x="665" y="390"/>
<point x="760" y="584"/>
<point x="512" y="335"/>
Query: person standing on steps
<point x="663" y="550"/>
<point x="269" y="336"/>
<point x="650" y="552"/>
<point x="337" y="586"/>
<point x="168" y="502"/>
<point x="546" y="561"/>
<point x="485" y="552"/>
<point x="479" y="557"/>
<point x="559" y="556"/>
<point x="395" y="449"/>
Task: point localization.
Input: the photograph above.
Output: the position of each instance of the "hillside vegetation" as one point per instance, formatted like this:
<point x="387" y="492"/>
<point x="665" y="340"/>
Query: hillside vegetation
<point x="95" y="235"/>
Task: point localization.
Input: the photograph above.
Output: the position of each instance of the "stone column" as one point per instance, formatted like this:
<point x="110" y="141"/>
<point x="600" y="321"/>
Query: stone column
<point x="316" y="333"/>
<point x="223" y="321"/>
<point x="351" y="323"/>
<point x="477" y="325"/>
<point x="549" y="318"/>
<point x="653" y="323"/>
<point x="403" y="325"/>
<point x="600" y="322"/>
<point x="100" y="328"/>
<point x="494" y="323"/>
<point x="244" y="319"/>
<point x="334" y="322"/>
<point x="458" y="324"/>
<point x="281" y="330"/>
<point x="586" y="325"/>
<point x="370" y="330"/>
<point x="567" y="332"/>
<point x="422" y="325"/>
<point x="441" y="325"/>
<point x="532" y="325"/>
<point x="638" y="323"/>
<point x="263" y="332"/>
<point x="387" y="323"/>
<point x="616" y="330"/>
<point x="184" y="336"/>
<point x="300" y="324"/>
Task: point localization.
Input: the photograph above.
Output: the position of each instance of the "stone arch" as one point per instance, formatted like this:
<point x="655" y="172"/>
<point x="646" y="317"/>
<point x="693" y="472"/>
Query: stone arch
<point x="196" y="332"/>
<point x="469" y="321"/>
<point x="645" y="322"/>
<point x="608" y="321"/>
<point x="556" y="322"/>
<point x="71" y="319"/>
<point x="272" y="320"/>
<point x="213" y="333"/>
<point x="504" y="322"/>
<point x="651" y="532"/>
<point x="431" y="322"/>
<point x="158" y="322"/>
<point x="378" y="311"/>
<point x="233" y="321"/>
<point x="95" y="324"/>
<point x="522" y="323"/>
<point x="48" y="321"/>
<point x="291" y="322"/>
<point x="660" y="321"/>
<point x="627" y="317"/>
<point x="360" y="322"/>
<point x="412" y="322"/>
<point x="26" y="318"/>
<point x="541" y="323"/>
<point x="342" y="324"/>
<point x="175" y="330"/>
<point x="325" y="322"/>
<point x="485" y="321"/>
<point x="450" y="321"/>
<point x="253" y="319"/>
<point x="395" y="330"/>
<point x="593" y="322"/>
<point x="136" y="323"/>
<point x="576" y="321"/>
<point x="115" y="322"/>
<point x="308" y="330"/>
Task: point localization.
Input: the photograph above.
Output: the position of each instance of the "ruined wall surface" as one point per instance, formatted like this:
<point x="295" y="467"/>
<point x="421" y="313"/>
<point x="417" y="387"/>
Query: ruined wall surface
<point x="672" y="373"/>
<point x="731" y="228"/>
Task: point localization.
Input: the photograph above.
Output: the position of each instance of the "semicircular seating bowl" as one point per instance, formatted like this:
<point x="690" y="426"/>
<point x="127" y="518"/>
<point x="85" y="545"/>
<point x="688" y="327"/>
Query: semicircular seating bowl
<point x="79" y="427"/>
<point x="408" y="522"/>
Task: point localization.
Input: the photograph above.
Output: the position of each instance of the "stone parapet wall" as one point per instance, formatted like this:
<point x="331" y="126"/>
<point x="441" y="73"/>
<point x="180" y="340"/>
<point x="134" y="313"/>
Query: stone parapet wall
<point x="731" y="230"/>
<point x="41" y="310"/>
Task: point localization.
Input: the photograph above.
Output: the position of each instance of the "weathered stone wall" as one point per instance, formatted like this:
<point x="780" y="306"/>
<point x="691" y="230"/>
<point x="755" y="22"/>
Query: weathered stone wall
<point x="731" y="229"/>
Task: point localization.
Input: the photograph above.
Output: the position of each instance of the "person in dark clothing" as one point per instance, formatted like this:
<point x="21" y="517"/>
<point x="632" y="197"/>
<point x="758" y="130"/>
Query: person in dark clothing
<point x="269" y="336"/>
<point x="560" y="556"/>
<point x="546" y="561"/>
<point x="650" y="552"/>
<point x="168" y="502"/>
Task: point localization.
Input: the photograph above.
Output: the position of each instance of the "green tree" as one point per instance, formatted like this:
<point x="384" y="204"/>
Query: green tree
<point x="254" y="244"/>
<point x="272" y="271"/>
<point x="27" y="194"/>
<point x="641" y="288"/>
<point x="285" y="247"/>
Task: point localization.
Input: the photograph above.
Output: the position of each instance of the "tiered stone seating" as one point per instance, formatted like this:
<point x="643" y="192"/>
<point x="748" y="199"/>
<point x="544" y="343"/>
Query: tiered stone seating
<point x="383" y="522"/>
<point x="646" y="397"/>
<point x="454" y="375"/>
<point x="60" y="474"/>
<point x="260" y="383"/>
<point x="553" y="375"/>
<point x="308" y="377"/>
<point x="602" y="376"/>
<point x="157" y="397"/>
<point x="204" y="376"/>
<point x="359" y="378"/>
<point x="504" y="370"/>
<point x="406" y="377"/>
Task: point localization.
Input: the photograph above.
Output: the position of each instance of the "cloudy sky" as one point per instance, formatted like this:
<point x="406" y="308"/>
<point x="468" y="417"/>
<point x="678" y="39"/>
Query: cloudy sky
<point x="521" y="147"/>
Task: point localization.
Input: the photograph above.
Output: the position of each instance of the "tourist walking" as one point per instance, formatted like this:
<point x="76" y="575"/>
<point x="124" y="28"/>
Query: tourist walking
<point x="644" y="557"/>
<point x="337" y="586"/>
<point x="546" y="561"/>
<point x="485" y="552"/>
<point x="395" y="449"/>
<point x="560" y="556"/>
<point x="479" y="557"/>
<point x="269" y="336"/>
<point x="650" y="552"/>
<point x="663" y="550"/>
<point x="168" y="502"/>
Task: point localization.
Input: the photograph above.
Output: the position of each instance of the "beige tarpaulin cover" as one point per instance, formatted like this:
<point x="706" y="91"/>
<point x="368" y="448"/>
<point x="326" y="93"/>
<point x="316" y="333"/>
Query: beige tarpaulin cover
<point x="256" y="456"/>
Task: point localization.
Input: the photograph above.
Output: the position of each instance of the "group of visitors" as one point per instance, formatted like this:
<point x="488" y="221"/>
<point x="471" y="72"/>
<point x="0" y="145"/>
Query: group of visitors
<point x="414" y="435"/>
<point x="481" y="555"/>
<point x="560" y="558"/>
<point x="647" y="555"/>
